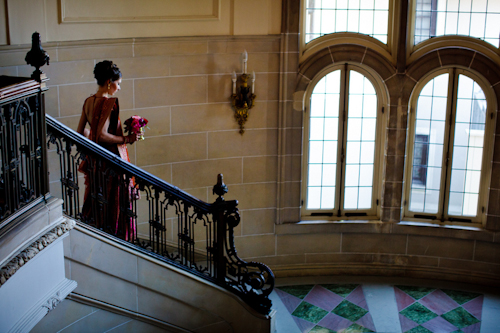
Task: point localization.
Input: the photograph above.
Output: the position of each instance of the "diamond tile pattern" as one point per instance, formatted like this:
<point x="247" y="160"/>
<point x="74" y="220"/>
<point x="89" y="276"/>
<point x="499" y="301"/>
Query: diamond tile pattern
<point x="323" y="298"/>
<point x="416" y="292"/>
<point x="431" y="310"/>
<point x="297" y="291"/>
<point x="309" y="312"/>
<point x="419" y="329"/>
<point x="334" y="322"/>
<point x="342" y="290"/>
<point x="418" y="313"/>
<point x="460" y="318"/>
<point x="439" y="324"/>
<point x="328" y="308"/>
<point x="319" y="329"/>
<point x="349" y="311"/>
<point x="438" y="302"/>
<point x="461" y="297"/>
<point x="355" y="328"/>
<point x="334" y="308"/>
<point x="475" y="307"/>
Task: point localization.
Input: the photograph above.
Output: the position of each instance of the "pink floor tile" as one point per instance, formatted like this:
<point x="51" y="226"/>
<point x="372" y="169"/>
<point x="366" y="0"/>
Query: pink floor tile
<point x="334" y="322"/>
<point x="357" y="297"/>
<point x="439" y="325"/>
<point x="367" y="321"/>
<point x="304" y="325"/>
<point x="323" y="298"/>
<point x="476" y="328"/>
<point x="406" y="324"/>
<point x="290" y="302"/>
<point x="402" y="299"/>
<point x="475" y="307"/>
<point x="438" y="302"/>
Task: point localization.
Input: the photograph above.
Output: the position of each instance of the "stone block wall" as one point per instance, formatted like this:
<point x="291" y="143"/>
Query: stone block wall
<point x="182" y="85"/>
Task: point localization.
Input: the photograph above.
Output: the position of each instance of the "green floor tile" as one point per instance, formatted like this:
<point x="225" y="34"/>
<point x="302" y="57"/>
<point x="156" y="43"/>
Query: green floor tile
<point x="355" y="328"/>
<point x="418" y="313"/>
<point x="340" y="289"/>
<point x="349" y="311"/>
<point x="319" y="329"/>
<point x="416" y="292"/>
<point x="419" y="329"/>
<point x="460" y="297"/>
<point x="460" y="317"/>
<point x="297" y="291"/>
<point x="309" y="312"/>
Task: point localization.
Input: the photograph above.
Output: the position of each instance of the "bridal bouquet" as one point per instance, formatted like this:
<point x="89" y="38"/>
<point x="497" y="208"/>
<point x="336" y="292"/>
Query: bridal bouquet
<point x="136" y="124"/>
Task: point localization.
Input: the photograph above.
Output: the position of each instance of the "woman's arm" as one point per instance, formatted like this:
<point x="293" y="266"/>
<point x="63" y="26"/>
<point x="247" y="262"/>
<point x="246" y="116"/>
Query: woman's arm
<point x="106" y="137"/>
<point x="81" y="125"/>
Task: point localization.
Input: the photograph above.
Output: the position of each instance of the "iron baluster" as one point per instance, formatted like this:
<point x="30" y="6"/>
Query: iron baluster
<point x="220" y="231"/>
<point x="203" y="237"/>
<point x="3" y="206"/>
<point x="65" y="178"/>
<point x="179" y="229"/>
<point x="75" y="161"/>
<point x="150" y="199"/>
<point x="22" y="175"/>
<point x="192" y="225"/>
<point x="163" y="212"/>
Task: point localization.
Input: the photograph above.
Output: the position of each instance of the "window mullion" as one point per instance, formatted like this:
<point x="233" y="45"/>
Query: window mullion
<point x="344" y="92"/>
<point x="450" y="128"/>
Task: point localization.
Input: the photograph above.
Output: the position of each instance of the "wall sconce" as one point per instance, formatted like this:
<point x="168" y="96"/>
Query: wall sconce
<point x="242" y="98"/>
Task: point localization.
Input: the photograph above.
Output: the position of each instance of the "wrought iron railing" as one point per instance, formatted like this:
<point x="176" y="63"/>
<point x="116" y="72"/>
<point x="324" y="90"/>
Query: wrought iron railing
<point x="23" y="170"/>
<point x="147" y="212"/>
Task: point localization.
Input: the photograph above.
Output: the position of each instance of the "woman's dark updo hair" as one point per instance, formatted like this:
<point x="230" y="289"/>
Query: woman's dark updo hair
<point x="106" y="70"/>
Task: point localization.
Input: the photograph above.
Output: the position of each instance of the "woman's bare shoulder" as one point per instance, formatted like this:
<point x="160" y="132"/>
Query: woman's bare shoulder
<point x="89" y="99"/>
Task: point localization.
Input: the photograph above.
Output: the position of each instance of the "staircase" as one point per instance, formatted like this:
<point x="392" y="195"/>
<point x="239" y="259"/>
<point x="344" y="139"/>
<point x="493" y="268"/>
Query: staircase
<point x="168" y="261"/>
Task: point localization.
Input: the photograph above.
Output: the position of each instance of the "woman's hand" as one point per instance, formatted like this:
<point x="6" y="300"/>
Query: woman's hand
<point x="131" y="138"/>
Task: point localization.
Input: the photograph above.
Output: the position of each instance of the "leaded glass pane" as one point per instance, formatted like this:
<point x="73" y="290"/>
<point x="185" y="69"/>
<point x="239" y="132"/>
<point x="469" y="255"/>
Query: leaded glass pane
<point x="369" y="17"/>
<point x="474" y="18"/>
<point x="428" y="146"/>
<point x="323" y="142"/>
<point x="360" y="152"/>
<point x="467" y="148"/>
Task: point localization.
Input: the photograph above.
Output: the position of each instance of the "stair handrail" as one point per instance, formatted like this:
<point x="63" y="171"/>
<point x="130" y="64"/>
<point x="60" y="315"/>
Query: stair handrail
<point x="252" y="281"/>
<point x="94" y="148"/>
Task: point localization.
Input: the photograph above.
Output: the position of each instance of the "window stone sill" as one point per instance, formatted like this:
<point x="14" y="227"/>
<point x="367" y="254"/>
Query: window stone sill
<point x="379" y="227"/>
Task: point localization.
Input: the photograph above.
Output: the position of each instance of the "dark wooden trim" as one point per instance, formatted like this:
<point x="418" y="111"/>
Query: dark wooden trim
<point x="402" y="37"/>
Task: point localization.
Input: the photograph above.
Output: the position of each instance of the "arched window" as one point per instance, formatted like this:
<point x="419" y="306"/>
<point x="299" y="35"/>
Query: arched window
<point x="474" y="18"/>
<point x="448" y="154"/>
<point x="369" y="17"/>
<point x="341" y="145"/>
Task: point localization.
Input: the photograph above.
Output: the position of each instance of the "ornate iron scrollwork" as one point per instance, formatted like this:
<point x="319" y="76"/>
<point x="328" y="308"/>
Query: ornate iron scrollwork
<point x="252" y="280"/>
<point x="184" y="231"/>
<point x="23" y="171"/>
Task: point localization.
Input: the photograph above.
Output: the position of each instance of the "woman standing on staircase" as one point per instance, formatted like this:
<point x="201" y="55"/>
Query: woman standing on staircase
<point x="105" y="190"/>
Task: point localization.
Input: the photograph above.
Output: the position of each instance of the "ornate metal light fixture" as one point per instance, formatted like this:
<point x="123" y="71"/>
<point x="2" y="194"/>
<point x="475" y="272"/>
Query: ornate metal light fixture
<point x="243" y="96"/>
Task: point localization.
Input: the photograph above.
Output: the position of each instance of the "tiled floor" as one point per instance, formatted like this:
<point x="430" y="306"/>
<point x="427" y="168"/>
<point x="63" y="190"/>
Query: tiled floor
<point x="386" y="306"/>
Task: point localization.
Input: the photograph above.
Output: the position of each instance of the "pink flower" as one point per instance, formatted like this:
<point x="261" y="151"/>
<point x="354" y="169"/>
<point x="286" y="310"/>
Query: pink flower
<point x="134" y="124"/>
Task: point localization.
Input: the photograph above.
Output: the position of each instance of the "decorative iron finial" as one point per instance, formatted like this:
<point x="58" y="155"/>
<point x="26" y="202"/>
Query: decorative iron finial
<point x="220" y="188"/>
<point x="37" y="57"/>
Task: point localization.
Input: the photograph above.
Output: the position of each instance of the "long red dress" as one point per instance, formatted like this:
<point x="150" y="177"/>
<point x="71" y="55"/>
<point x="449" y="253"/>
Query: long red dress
<point x="107" y="196"/>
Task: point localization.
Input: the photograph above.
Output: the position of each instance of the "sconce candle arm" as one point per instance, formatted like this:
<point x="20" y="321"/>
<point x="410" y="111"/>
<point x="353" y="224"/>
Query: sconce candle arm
<point x="253" y="82"/>
<point x="245" y="59"/>
<point x="234" y="82"/>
